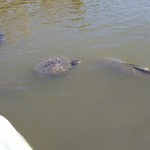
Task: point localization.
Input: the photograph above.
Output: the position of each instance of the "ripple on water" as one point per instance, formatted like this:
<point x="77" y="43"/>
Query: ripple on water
<point x="88" y="105"/>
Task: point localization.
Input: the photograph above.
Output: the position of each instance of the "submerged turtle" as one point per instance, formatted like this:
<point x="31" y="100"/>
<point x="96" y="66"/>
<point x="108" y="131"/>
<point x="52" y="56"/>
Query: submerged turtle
<point x="124" y="67"/>
<point x="54" y="67"/>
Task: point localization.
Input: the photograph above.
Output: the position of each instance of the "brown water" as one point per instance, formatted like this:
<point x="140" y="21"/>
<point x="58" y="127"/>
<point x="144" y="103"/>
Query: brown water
<point x="88" y="109"/>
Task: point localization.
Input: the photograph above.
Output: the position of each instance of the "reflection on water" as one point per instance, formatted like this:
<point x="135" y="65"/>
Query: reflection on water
<point x="89" y="108"/>
<point x="56" y="11"/>
<point x="14" y="19"/>
<point x="17" y="17"/>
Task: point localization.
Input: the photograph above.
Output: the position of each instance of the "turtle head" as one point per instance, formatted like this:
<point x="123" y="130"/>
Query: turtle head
<point x="75" y="62"/>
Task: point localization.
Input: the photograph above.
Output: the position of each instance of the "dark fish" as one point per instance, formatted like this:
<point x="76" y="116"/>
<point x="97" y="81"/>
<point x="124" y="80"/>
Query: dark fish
<point x="141" y="69"/>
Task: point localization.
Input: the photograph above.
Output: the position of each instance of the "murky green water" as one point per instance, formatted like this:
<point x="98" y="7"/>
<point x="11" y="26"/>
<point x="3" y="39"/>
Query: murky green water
<point x="88" y="109"/>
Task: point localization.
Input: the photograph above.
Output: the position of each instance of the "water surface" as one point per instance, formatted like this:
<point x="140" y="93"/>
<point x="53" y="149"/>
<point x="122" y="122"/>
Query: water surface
<point x="88" y="108"/>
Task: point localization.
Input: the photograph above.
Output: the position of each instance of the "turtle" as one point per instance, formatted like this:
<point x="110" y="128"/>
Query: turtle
<point x="54" y="67"/>
<point x="124" y="67"/>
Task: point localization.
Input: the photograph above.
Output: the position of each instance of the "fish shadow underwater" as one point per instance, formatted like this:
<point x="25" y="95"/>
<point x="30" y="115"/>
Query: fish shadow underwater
<point x="122" y="67"/>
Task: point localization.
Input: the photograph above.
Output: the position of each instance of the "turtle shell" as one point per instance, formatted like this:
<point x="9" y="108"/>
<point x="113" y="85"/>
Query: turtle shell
<point x="52" y="67"/>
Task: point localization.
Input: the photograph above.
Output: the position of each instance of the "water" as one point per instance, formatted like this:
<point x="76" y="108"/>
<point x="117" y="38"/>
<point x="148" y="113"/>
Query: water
<point x="88" y="108"/>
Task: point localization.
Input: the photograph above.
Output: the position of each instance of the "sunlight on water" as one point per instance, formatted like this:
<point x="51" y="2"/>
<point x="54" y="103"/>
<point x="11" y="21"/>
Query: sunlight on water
<point x="88" y="108"/>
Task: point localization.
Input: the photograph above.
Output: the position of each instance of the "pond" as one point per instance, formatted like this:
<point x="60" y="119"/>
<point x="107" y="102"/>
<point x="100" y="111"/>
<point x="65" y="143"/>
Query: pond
<point x="88" y="108"/>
